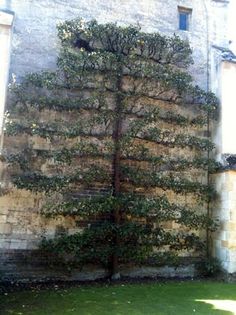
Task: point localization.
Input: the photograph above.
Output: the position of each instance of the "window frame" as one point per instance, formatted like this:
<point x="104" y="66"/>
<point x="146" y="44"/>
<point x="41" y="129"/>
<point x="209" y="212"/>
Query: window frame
<point x="185" y="12"/>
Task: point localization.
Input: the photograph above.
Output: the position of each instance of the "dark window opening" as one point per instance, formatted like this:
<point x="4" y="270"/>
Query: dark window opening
<point x="184" y="18"/>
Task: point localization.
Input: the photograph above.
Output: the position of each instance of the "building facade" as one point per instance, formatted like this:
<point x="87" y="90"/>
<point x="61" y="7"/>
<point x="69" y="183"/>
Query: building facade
<point x="28" y="43"/>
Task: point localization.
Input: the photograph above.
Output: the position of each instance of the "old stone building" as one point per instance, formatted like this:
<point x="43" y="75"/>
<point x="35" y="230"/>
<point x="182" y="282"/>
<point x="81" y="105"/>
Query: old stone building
<point x="28" y="42"/>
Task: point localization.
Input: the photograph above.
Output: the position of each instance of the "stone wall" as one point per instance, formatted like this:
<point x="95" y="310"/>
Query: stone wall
<point x="35" y="47"/>
<point x="224" y="240"/>
<point x="225" y="182"/>
<point x="6" y="21"/>
<point x="22" y="227"/>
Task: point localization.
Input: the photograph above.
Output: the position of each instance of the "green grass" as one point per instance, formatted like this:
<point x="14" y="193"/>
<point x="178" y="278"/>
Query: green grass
<point x="172" y="298"/>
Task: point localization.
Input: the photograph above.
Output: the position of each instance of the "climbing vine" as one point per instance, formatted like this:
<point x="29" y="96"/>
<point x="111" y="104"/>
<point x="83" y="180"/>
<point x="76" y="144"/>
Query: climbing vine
<point x="123" y="146"/>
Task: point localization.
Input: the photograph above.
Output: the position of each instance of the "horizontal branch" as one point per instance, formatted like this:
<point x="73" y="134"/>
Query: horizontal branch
<point x="183" y="186"/>
<point x="38" y="182"/>
<point x="157" y="209"/>
<point x="168" y="138"/>
<point x="56" y="129"/>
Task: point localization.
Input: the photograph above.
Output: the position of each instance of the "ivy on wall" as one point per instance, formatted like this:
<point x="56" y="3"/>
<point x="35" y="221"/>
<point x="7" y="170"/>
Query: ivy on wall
<point x="114" y="115"/>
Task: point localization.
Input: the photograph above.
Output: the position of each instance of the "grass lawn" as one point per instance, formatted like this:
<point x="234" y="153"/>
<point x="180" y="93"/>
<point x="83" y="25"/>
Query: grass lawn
<point x="171" y="298"/>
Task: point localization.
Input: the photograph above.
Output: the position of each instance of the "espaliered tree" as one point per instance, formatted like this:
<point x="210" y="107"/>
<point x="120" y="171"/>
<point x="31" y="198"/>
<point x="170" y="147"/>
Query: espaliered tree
<point x="123" y="149"/>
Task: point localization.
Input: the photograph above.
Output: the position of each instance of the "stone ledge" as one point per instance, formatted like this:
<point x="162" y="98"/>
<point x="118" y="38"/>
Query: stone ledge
<point x="165" y="272"/>
<point x="32" y="265"/>
<point x="6" y="17"/>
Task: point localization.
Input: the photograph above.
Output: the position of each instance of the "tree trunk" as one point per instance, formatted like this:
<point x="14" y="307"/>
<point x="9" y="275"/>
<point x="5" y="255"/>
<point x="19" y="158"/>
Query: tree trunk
<point x="116" y="173"/>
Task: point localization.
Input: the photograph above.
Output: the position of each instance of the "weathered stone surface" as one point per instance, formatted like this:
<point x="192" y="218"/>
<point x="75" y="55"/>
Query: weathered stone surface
<point x="225" y="238"/>
<point x="3" y="218"/>
<point x="165" y="272"/>
<point x="35" y="47"/>
<point x="15" y="266"/>
<point x="5" y="228"/>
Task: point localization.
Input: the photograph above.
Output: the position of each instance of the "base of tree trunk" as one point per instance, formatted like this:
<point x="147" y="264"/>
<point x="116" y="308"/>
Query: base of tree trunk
<point x="115" y="276"/>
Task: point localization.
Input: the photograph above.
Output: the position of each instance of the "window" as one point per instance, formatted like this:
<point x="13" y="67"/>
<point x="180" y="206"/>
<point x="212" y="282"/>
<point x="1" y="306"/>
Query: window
<point x="6" y="20"/>
<point x="184" y="18"/>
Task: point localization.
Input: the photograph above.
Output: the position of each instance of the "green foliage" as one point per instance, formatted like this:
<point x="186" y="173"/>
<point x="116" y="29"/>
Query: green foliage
<point x="137" y="153"/>
<point x="178" y="185"/>
<point x="166" y="137"/>
<point x="114" y="115"/>
<point x="98" y="243"/>
<point x="126" y="40"/>
<point x="38" y="183"/>
<point x="154" y="209"/>
<point x="210" y="267"/>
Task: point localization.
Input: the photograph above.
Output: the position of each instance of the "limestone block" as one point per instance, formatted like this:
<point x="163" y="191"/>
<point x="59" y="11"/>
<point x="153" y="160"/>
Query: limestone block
<point x="29" y="230"/>
<point x="220" y="235"/>
<point x="17" y="200"/>
<point x="152" y="272"/>
<point x="74" y="230"/>
<point x="220" y="253"/>
<point x="3" y="218"/>
<point x="6" y="18"/>
<point x="33" y="244"/>
<point x="4" y="204"/>
<point x="18" y="244"/>
<point x="218" y="179"/>
<point x="21" y="236"/>
<point x="19" y="228"/>
<point x="231" y="255"/>
<point x="225" y="265"/>
<point x="168" y="225"/>
<point x="5" y="228"/>
<point x="232" y="197"/>
<point x="50" y="231"/>
<point x="225" y="205"/>
<point x="233" y="215"/>
<point x="216" y="243"/>
<point x="228" y="186"/>
<point x="13" y="217"/>
<point x="4" y="244"/>
<point x="224" y="195"/>
<point x="3" y="210"/>
<point x="228" y="266"/>
<point x="231" y="244"/>
<point x="231" y="175"/>
<point x="219" y="183"/>
<point x="223" y="215"/>
<point x="228" y="225"/>
<point x="40" y="143"/>
<point x="231" y="235"/>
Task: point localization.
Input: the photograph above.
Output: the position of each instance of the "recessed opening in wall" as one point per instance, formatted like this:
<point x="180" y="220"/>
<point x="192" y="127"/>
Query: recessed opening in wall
<point x="184" y="18"/>
<point x="6" y="20"/>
